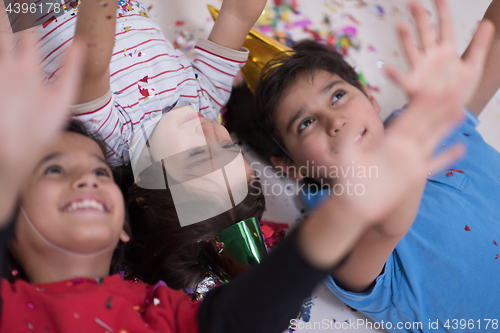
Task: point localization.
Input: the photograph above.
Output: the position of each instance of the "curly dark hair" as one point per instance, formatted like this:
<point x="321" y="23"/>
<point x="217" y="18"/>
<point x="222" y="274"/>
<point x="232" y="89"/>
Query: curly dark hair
<point x="252" y="118"/>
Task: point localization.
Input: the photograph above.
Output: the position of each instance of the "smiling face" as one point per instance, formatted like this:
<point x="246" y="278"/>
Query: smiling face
<point x="71" y="200"/>
<point x="319" y="117"/>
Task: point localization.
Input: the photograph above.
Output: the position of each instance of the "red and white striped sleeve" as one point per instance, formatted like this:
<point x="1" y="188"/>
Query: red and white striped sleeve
<point x="105" y="121"/>
<point x="215" y="69"/>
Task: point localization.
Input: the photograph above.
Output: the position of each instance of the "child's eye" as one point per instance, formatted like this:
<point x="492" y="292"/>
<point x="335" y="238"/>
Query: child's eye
<point x="228" y="145"/>
<point x="337" y="95"/>
<point x="196" y="152"/>
<point x="102" y="172"/>
<point x="305" y="123"/>
<point x="53" y="169"/>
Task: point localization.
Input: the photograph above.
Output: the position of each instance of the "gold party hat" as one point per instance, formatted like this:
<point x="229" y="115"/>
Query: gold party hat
<point x="262" y="49"/>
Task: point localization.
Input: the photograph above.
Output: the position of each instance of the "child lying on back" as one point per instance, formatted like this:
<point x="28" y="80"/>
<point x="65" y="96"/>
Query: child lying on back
<point x="434" y="257"/>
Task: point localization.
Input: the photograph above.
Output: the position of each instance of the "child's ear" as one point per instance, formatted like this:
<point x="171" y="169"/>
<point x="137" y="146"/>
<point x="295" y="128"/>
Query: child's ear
<point x="287" y="166"/>
<point x="124" y="237"/>
<point x="371" y="98"/>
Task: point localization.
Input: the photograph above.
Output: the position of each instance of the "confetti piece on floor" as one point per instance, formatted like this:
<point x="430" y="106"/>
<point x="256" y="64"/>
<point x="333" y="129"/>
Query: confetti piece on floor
<point x="467" y="228"/>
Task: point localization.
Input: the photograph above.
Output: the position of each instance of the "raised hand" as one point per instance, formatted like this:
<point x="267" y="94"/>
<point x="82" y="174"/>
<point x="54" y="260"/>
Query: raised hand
<point x="437" y="73"/>
<point x="31" y="113"/>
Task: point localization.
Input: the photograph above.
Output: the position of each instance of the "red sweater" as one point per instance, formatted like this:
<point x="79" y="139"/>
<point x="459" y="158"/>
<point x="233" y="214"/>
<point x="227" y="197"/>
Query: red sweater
<point x="85" y="305"/>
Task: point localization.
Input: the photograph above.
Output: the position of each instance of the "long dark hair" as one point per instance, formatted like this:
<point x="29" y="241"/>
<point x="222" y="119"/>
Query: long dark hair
<point x="12" y="269"/>
<point x="162" y="249"/>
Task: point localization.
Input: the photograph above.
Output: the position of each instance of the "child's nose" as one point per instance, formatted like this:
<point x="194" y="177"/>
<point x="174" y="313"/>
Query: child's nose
<point x="335" y="124"/>
<point x="86" y="180"/>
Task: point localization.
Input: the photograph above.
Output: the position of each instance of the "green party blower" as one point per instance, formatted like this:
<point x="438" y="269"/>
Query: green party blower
<point x="234" y="250"/>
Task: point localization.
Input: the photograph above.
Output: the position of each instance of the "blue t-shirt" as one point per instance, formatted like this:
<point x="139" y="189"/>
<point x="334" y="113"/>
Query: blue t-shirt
<point x="445" y="273"/>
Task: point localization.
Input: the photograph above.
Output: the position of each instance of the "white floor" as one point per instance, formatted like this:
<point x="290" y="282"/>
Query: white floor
<point x="184" y="20"/>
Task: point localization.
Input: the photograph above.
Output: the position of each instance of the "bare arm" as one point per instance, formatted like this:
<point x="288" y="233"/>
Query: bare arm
<point x="490" y="81"/>
<point x="96" y="27"/>
<point x="438" y="85"/>
<point x="235" y="20"/>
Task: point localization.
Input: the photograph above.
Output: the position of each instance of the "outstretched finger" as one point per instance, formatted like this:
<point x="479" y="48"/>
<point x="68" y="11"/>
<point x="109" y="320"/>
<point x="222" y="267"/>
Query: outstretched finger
<point x="5" y="33"/>
<point x="446" y="28"/>
<point x="425" y="32"/>
<point x="410" y="49"/>
<point x="443" y="159"/>
<point x="396" y="76"/>
<point x="480" y="45"/>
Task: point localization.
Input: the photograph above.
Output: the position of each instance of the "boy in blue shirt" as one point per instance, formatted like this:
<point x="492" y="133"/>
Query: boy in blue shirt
<point x="431" y="264"/>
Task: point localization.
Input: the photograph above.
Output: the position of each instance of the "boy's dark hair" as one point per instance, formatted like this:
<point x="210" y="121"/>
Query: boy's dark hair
<point x="162" y="249"/>
<point x="253" y="118"/>
<point x="12" y="269"/>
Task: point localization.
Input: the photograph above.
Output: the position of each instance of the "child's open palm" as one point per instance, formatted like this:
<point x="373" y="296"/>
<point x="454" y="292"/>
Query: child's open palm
<point x="438" y="85"/>
<point x="437" y="73"/>
<point x="31" y="113"/>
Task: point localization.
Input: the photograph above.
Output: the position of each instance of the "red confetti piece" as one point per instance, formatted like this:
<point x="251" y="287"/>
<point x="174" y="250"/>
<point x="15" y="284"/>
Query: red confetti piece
<point x="455" y="170"/>
<point x="467" y="228"/>
<point x="179" y="23"/>
<point x="49" y="21"/>
<point x="144" y="79"/>
<point x="494" y="242"/>
<point x="466" y="134"/>
<point x="144" y="92"/>
<point x="140" y="53"/>
<point x="449" y="174"/>
<point x="496" y="257"/>
<point x="14" y="272"/>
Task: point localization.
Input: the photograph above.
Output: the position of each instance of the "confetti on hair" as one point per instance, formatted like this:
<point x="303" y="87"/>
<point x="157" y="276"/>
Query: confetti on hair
<point x="467" y="228"/>
<point x="15" y="272"/>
